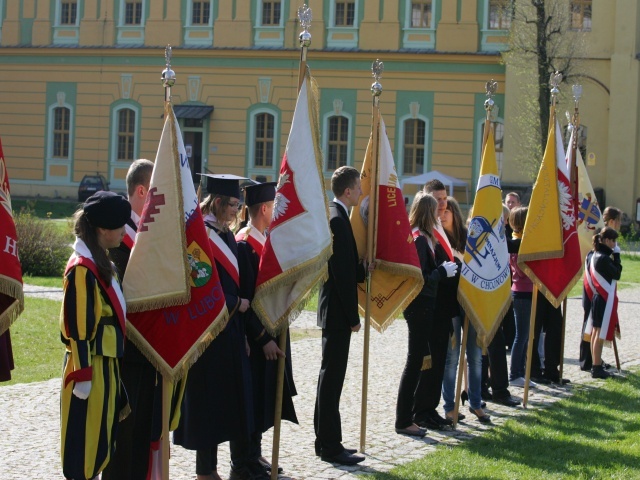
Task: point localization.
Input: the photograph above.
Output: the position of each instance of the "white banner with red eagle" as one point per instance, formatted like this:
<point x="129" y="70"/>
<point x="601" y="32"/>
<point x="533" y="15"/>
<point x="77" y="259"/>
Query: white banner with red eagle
<point x="175" y="303"/>
<point x="298" y="247"/>
<point x="397" y="278"/>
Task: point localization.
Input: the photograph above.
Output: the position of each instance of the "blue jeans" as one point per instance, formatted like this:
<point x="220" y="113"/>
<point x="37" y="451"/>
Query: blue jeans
<point x="474" y="361"/>
<point x="522" y="312"/>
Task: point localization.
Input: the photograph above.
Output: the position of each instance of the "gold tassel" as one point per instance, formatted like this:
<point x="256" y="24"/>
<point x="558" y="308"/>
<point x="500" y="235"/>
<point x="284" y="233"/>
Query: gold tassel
<point x="426" y="363"/>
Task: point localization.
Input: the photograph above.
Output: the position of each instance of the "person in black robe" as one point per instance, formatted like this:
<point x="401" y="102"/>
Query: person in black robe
<point x="264" y="350"/>
<point x="217" y="405"/>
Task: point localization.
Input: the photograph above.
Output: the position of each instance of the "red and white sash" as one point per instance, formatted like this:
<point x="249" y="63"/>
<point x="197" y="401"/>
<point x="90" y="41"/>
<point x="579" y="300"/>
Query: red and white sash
<point x="253" y="237"/>
<point x="607" y="291"/>
<point x="130" y="230"/>
<point x="443" y="240"/>
<point x="113" y="291"/>
<point x="415" y="232"/>
<point x="222" y="253"/>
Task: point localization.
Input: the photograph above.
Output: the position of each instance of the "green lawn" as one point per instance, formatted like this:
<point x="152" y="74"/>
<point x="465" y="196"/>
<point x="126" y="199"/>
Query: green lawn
<point x="35" y="340"/>
<point x="46" y="207"/>
<point x="594" y="434"/>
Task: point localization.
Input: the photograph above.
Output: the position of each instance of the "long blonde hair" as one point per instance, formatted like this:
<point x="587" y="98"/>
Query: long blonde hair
<point x="423" y="213"/>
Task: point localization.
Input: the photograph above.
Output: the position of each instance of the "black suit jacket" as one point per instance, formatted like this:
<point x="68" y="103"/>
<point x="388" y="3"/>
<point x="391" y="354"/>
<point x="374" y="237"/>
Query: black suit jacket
<point x="338" y="299"/>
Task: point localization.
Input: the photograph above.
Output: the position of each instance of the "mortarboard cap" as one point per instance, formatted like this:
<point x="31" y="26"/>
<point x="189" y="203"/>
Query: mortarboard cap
<point x="259" y="193"/>
<point x="106" y="209"/>
<point x="223" y="184"/>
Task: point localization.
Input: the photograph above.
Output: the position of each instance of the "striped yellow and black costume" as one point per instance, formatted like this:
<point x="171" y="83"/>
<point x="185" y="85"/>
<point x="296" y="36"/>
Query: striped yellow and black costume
<point x="94" y="337"/>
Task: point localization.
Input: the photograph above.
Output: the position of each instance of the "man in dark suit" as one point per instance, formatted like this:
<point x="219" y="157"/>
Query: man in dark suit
<point x="133" y="441"/>
<point x="338" y="317"/>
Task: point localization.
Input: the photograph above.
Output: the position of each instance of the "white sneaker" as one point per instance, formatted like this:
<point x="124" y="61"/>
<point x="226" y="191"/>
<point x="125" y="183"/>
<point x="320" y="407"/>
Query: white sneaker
<point x="519" y="382"/>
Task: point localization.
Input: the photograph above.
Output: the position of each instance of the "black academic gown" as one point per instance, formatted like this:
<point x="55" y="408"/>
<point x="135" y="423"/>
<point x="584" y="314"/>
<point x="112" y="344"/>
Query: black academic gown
<point x="264" y="372"/>
<point x="217" y="405"/>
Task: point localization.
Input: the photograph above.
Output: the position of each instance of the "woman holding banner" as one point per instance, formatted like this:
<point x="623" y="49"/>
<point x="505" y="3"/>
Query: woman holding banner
<point x="420" y="312"/>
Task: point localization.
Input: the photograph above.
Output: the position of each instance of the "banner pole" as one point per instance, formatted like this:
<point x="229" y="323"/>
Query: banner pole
<point x="532" y="326"/>
<point x="167" y="388"/>
<point x="461" y="365"/>
<point x="615" y="352"/>
<point x="304" y="16"/>
<point x="277" y="419"/>
<point x="562" y="336"/>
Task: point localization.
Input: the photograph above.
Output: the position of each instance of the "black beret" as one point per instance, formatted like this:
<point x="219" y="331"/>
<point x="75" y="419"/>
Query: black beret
<point x="259" y="193"/>
<point x="107" y="210"/>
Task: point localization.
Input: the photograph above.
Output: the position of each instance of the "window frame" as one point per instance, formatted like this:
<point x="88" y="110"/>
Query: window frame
<point x="491" y="39"/>
<point x="326" y="127"/>
<point x="251" y="143"/>
<point x="114" y="162"/>
<point x="51" y="160"/>
<point x="66" y="33"/>
<point x="582" y="4"/>
<point x="338" y="35"/>
<point x="403" y="146"/>
<point x="423" y="38"/>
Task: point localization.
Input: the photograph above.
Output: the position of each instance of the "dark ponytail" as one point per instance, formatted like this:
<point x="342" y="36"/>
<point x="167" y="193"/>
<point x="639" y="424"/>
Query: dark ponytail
<point x="607" y="233"/>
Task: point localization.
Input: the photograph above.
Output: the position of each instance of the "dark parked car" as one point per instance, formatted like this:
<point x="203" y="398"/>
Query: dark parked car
<point x="91" y="184"/>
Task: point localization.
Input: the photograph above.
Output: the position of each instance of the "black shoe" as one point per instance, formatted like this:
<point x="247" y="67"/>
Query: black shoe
<point x="485" y="395"/>
<point x="350" y="451"/>
<point x="249" y="471"/>
<point x="267" y="466"/>
<point x="464" y="396"/>
<point x="412" y="432"/>
<point x="508" y="401"/>
<point x="343" y="458"/>
<point x="597" y="371"/>
<point x="541" y="379"/>
<point x="606" y="365"/>
<point x="484" y="418"/>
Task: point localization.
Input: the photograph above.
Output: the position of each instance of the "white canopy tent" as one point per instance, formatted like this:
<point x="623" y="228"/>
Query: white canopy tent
<point x="447" y="180"/>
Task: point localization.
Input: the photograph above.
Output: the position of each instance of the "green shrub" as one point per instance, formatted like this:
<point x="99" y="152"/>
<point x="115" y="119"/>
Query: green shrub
<point x="43" y="248"/>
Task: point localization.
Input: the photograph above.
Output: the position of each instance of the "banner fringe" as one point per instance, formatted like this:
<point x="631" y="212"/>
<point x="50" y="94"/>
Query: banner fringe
<point x="193" y="354"/>
<point x="14" y="290"/>
<point x="555" y="301"/>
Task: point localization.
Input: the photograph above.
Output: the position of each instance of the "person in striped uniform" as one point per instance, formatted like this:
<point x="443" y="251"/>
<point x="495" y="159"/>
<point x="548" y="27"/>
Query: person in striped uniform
<point x="92" y="326"/>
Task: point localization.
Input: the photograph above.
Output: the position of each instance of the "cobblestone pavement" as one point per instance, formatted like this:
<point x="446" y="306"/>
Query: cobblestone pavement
<point x="29" y="443"/>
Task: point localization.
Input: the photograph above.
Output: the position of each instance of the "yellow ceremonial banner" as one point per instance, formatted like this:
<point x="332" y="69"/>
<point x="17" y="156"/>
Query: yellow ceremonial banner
<point x="397" y="278"/>
<point x="484" y="291"/>
<point x="589" y="214"/>
<point x="542" y="236"/>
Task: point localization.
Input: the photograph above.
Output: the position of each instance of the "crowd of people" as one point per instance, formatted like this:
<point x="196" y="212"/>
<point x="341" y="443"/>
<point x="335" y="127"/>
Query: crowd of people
<point x="110" y="400"/>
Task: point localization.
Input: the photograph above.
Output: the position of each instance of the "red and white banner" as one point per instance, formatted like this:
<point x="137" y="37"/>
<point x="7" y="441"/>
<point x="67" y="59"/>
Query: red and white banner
<point x="397" y="278"/>
<point x="298" y="247"/>
<point x="175" y="303"/>
<point x="11" y="294"/>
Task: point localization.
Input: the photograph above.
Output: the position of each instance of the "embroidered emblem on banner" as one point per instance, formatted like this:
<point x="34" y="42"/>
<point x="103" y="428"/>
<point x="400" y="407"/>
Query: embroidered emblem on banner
<point x="200" y="265"/>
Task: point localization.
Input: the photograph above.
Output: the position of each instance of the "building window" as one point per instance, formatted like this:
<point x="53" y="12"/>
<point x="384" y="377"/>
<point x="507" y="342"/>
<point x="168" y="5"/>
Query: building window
<point x="421" y="12"/>
<point x="271" y="12"/>
<point x="500" y="13"/>
<point x="345" y="13"/>
<point x="413" y="148"/>
<point x="264" y="137"/>
<point x="200" y="12"/>
<point x="581" y="15"/>
<point x="61" y="116"/>
<point x="133" y="12"/>
<point x="68" y="12"/>
<point x="338" y="142"/>
<point x="126" y="134"/>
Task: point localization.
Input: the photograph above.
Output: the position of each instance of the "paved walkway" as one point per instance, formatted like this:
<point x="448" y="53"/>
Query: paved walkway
<point x="29" y="443"/>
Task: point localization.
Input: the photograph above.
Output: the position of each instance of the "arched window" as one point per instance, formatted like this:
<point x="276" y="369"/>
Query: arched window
<point x="126" y="134"/>
<point x="413" y="146"/>
<point x="338" y="142"/>
<point x="263" y="140"/>
<point x="61" y="123"/>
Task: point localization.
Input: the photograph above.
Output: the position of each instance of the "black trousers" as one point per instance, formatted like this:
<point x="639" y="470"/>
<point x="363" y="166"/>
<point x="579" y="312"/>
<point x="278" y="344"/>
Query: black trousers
<point x="429" y="390"/>
<point x="496" y="360"/>
<point x="586" y="362"/>
<point x="509" y="327"/>
<point x="133" y="441"/>
<point x="548" y="318"/>
<point x="326" y="417"/>
<point x="417" y="350"/>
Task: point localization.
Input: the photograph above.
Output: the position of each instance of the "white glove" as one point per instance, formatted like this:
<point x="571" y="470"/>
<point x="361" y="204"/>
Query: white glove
<point x="82" y="389"/>
<point x="616" y="249"/>
<point x="451" y="268"/>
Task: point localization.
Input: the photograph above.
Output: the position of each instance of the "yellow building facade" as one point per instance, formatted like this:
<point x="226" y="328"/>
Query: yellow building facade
<point x="81" y="90"/>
